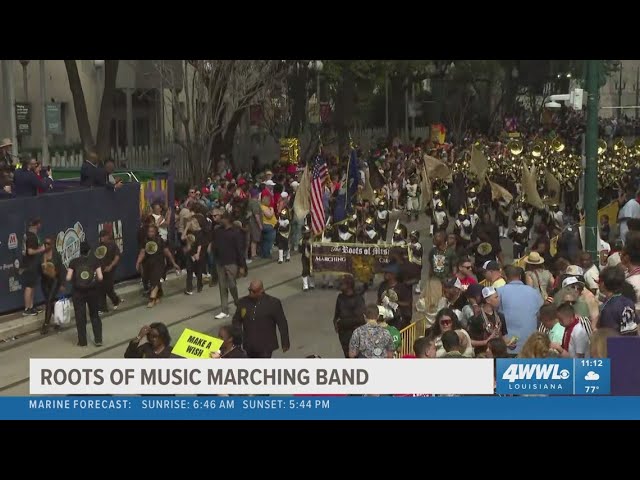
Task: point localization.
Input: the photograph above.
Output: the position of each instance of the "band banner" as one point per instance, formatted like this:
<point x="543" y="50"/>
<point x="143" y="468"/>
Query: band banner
<point x="361" y="260"/>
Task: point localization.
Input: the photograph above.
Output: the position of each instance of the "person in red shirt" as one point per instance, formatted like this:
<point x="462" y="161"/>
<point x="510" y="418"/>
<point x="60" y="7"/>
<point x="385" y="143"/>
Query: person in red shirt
<point x="268" y="192"/>
<point x="465" y="273"/>
<point x="242" y="191"/>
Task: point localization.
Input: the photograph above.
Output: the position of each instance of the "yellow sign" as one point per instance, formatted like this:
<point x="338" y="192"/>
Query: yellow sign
<point x="192" y="344"/>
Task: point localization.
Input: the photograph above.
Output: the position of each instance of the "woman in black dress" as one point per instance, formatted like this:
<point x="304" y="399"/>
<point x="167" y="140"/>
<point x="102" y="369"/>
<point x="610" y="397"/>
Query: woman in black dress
<point x="52" y="280"/>
<point x="158" y="344"/>
<point x="232" y="343"/>
<point x="151" y="258"/>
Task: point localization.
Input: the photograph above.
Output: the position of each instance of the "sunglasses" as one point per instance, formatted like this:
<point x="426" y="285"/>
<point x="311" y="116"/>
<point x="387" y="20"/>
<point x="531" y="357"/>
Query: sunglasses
<point x="192" y="191"/>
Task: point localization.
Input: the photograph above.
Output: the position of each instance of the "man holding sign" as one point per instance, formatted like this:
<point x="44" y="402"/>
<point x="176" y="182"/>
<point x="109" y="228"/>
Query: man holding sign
<point x="259" y="314"/>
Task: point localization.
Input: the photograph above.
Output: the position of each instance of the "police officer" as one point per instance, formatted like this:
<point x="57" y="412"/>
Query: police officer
<point x="84" y="273"/>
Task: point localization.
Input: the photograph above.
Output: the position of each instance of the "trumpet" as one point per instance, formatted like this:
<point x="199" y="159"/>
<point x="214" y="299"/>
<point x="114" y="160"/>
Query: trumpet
<point x="515" y="147"/>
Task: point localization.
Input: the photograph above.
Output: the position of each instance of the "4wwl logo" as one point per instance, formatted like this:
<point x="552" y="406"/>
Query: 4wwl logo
<point x="525" y="376"/>
<point x="537" y="372"/>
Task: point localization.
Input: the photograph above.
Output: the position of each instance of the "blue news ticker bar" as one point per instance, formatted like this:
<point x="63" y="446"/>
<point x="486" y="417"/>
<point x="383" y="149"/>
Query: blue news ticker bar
<point x="321" y="408"/>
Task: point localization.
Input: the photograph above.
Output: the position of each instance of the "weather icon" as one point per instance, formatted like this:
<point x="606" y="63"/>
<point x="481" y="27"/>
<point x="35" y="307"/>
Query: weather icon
<point x="593" y="376"/>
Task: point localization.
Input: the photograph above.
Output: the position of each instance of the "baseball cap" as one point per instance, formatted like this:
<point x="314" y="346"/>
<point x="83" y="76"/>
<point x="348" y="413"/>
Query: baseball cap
<point x="571" y="281"/>
<point x="453" y="282"/>
<point x="488" y="291"/>
<point x="284" y="195"/>
<point x="270" y="183"/>
<point x="491" y="265"/>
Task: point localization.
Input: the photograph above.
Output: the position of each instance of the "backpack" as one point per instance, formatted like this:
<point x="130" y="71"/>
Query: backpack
<point x="84" y="273"/>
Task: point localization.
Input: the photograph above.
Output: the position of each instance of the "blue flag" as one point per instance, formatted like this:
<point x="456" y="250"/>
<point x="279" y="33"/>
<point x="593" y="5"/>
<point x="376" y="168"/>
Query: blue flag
<point x="353" y="178"/>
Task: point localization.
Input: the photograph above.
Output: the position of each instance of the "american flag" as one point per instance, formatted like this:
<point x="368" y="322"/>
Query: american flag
<point x="318" y="177"/>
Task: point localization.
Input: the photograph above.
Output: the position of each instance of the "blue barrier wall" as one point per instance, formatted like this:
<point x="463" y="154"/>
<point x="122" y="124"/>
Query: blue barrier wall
<point x="69" y="217"/>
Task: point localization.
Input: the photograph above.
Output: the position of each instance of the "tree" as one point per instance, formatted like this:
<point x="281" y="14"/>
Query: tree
<point x="102" y="142"/>
<point x="215" y="95"/>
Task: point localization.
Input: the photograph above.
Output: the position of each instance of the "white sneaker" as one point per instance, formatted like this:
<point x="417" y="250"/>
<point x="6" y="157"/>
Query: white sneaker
<point x="249" y="261"/>
<point x="221" y="315"/>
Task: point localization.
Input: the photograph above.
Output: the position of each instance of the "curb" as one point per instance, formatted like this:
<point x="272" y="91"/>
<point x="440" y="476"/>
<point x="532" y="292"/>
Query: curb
<point x="129" y="292"/>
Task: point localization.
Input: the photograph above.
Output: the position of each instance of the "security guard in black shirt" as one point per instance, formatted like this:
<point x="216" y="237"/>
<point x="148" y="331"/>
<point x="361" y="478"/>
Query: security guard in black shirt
<point x="108" y="255"/>
<point x="84" y="273"/>
<point x="259" y="315"/>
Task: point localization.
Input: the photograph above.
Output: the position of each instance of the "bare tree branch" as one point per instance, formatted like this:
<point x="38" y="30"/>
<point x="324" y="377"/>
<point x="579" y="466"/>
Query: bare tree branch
<point x="215" y="94"/>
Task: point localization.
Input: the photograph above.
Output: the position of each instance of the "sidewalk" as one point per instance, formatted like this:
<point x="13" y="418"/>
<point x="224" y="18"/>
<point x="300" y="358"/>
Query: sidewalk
<point x="15" y="325"/>
<point x="177" y="312"/>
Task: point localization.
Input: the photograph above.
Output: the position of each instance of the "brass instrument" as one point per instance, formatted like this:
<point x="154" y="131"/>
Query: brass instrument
<point x="557" y="145"/>
<point x="602" y="146"/>
<point x="538" y="149"/>
<point x="619" y="147"/>
<point x="515" y="146"/>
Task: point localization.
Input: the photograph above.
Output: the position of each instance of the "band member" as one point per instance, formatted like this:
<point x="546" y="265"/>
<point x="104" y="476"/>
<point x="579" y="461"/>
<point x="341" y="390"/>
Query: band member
<point x="382" y="219"/>
<point x="400" y="235"/>
<point x="368" y="233"/>
<point x="343" y="234"/>
<point x="472" y="199"/>
<point x="437" y="197"/>
<point x="519" y="234"/>
<point x="305" y="250"/>
<point x="463" y="227"/>
<point x="473" y="216"/>
<point x="330" y="233"/>
<point x="502" y="217"/>
<point x="439" y="219"/>
<point x="557" y="219"/>
<point x="524" y="210"/>
<point x="413" y="198"/>
<point x="282" y="235"/>
<point x="414" y="267"/>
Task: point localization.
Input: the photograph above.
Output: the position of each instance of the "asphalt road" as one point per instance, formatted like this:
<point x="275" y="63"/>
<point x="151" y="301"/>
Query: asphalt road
<point x="309" y="315"/>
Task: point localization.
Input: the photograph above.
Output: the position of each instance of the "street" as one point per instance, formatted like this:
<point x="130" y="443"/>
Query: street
<point x="309" y="315"/>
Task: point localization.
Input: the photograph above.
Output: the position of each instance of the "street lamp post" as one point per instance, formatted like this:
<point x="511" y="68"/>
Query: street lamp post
<point x="591" y="167"/>
<point x="637" y="89"/>
<point x="25" y="80"/>
<point x="620" y="86"/>
<point x="317" y="65"/>
<point x="43" y="112"/>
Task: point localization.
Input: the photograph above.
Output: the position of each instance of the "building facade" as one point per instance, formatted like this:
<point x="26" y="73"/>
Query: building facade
<point x="138" y="119"/>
